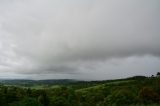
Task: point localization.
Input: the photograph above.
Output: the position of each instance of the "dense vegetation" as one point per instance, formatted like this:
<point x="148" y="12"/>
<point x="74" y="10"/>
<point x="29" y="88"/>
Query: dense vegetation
<point x="135" y="91"/>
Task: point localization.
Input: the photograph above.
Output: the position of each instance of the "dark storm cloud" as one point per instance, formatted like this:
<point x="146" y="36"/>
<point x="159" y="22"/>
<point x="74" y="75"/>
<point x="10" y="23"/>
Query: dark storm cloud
<point x="73" y="37"/>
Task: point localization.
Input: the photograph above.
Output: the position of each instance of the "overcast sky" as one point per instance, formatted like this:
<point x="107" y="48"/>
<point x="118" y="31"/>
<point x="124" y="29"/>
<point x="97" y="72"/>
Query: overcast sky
<point x="79" y="39"/>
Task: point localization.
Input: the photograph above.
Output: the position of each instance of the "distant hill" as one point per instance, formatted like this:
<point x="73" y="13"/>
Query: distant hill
<point x="24" y="82"/>
<point x="28" y="83"/>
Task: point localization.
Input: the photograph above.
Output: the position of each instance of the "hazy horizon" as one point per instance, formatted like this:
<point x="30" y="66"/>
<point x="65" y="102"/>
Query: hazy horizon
<point x="79" y="39"/>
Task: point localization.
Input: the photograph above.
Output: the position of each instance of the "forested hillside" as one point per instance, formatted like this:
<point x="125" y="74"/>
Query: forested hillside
<point x="135" y="91"/>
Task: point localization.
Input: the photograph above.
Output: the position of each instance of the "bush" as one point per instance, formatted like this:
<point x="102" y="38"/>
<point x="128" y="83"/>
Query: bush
<point x="121" y="97"/>
<point x="148" y="95"/>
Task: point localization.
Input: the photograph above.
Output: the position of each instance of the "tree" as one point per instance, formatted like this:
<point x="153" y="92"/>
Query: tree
<point x="58" y="101"/>
<point x="158" y="73"/>
<point x="29" y="102"/>
<point x="43" y="99"/>
<point x="29" y="91"/>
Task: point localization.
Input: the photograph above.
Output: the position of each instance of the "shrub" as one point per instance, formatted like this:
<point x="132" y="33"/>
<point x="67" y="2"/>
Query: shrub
<point x="148" y="95"/>
<point x="121" y="97"/>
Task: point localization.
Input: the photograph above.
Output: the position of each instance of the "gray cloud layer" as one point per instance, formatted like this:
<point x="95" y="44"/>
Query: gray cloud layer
<point x="79" y="38"/>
